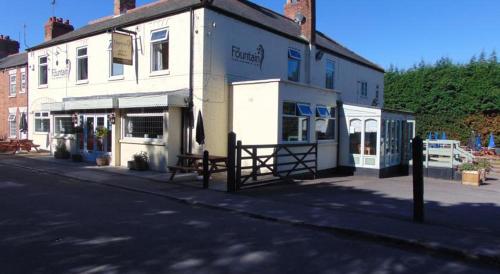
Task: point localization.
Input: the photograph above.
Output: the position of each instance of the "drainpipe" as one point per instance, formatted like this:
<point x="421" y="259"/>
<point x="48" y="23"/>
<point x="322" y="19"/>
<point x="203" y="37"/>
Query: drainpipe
<point x="191" y="80"/>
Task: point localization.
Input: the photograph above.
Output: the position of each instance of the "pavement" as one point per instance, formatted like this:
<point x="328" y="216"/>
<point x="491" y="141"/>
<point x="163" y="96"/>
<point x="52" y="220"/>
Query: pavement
<point x="53" y="224"/>
<point x="383" y="221"/>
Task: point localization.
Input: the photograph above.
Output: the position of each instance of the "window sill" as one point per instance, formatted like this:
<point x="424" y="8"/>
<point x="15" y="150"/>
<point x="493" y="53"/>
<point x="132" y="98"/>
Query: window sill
<point x="159" y="73"/>
<point x="41" y="133"/>
<point x="116" y="78"/>
<point x="12" y="96"/>
<point x="328" y="142"/>
<point x="82" y="82"/>
<point x="139" y="141"/>
<point x="64" y="136"/>
<point x="43" y="86"/>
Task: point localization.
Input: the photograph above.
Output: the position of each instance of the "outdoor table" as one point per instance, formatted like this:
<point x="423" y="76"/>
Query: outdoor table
<point x="194" y="162"/>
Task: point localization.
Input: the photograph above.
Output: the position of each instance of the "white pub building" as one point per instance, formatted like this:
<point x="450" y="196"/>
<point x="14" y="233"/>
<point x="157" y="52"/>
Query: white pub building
<point x="268" y="77"/>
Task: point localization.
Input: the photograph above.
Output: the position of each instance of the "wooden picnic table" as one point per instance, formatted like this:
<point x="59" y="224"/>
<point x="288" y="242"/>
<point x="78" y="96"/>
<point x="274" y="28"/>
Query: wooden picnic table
<point x="14" y="145"/>
<point x="194" y="163"/>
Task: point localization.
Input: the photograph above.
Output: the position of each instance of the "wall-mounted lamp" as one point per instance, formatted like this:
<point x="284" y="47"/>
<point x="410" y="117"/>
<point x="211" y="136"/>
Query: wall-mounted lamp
<point x="319" y="55"/>
<point x="112" y="118"/>
<point x="75" y="118"/>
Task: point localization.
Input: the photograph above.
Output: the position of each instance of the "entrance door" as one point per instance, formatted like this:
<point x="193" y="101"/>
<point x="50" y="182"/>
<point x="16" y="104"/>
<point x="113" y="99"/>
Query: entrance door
<point x="96" y="136"/>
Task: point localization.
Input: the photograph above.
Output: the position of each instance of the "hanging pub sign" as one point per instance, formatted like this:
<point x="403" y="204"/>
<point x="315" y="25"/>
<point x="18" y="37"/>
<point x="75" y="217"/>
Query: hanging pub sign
<point x="122" y="48"/>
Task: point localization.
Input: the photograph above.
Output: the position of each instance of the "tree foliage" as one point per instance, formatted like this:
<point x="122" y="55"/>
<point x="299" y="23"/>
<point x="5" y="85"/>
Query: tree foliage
<point x="447" y="96"/>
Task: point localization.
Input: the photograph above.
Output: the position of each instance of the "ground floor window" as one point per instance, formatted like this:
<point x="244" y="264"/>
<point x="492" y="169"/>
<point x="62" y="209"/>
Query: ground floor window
<point x="63" y="125"/>
<point x="42" y="122"/>
<point x="355" y="129"/>
<point x="370" y="137"/>
<point x="144" y="125"/>
<point x="12" y="126"/>
<point x="325" y="123"/>
<point x="295" y="122"/>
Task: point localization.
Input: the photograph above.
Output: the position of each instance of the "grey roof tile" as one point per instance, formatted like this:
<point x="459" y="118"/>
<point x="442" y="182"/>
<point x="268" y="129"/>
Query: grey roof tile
<point x="14" y="60"/>
<point x="243" y="9"/>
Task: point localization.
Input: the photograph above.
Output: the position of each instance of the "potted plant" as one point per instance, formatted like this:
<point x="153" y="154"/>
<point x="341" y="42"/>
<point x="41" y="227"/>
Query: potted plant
<point x="61" y="151"/>
<point x="484" y="167"/>
<point x="470" y="174"/>
<point x="102" y="160"/>
<point x="140" y="162"/>
<point x="101" y="132"/>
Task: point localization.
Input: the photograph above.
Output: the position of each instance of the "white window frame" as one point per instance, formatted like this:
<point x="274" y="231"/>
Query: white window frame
<point x="78" y="58"/>
<point x="307" y="117"/>
<point x="40" y="65"/>
<point x="156" y="41"/>
<point x="12" y="118"/>
<point x="111" y="76"/>
<point x="363" y="89"/>
<point x="24" y="81"/>
<point x="296" y="58"/>
<point x="42" y="117"/>
<point x="328" y="62"/>
<point x="159" y="141"/>
<point x="55" y="124"/>
<point x="12" y="84"/>
<point x="328" y="117"/>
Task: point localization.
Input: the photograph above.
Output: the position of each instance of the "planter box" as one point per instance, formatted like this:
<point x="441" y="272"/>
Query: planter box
<point x="102" y="161"/>
<point x="471" y="178"/>
<point x="139" y="166"/>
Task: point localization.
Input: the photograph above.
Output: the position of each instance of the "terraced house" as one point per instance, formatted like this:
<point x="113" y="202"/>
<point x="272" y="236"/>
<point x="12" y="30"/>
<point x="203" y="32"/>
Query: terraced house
<point x="13" y="90"/>
<point x="270" y="78"/>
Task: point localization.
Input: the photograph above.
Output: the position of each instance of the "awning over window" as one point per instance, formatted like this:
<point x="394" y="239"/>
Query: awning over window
<point x="175" y="99"/>
<point x="304" y="110"/>
<point x="82" y="104"/>
<point x="323" y="112"/>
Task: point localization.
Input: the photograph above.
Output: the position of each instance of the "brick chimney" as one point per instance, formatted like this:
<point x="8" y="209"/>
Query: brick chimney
<point x="56" y="27"/>
<point x="8" y="46"/>
<point x="122" y="6"/>
<point x="303" y="12"/>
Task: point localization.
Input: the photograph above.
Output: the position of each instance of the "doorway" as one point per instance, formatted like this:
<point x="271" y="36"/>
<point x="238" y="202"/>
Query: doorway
<point x="97" y="137"/>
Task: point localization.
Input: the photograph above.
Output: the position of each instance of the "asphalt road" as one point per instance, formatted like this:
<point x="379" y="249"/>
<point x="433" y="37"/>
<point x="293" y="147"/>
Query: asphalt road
<point x="50" y="224"/>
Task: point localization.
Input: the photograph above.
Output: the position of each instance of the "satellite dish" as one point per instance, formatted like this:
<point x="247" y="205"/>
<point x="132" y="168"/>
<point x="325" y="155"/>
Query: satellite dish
<point x="299" y="18"/>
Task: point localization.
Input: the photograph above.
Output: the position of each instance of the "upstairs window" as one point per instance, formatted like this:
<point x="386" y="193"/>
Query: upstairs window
<point x="159" y="50"/>
<point x="294" y="58"/>
<point x="12" y="85"/>
<point x="82" y="64"/>
<point x="115" y="69"/>
<point x="363" y="88"/>
<point x="23" y="82"/>
<point x="330" y="74"/>
<point x="43" y="71"/>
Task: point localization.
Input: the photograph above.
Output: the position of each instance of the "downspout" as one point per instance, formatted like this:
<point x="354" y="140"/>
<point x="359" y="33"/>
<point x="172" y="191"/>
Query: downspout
<point x="191" y="82"/>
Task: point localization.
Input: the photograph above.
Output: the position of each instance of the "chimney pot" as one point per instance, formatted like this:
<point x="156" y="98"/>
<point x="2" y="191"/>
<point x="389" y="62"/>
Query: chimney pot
<point x="122" y="6"/>
<point x="56" y="27"/>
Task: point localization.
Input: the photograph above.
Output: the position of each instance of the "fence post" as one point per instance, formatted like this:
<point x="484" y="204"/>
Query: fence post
<point x="206" y="172"/>
<point x="238" y="165"/>
<point x="231" y="165"/>
<point x="254" y="163"/>
<point x="418" y="180"/>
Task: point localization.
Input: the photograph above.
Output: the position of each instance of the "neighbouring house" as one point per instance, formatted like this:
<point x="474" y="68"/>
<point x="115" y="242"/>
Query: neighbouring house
<point x="270" y="78"/>
<point x="13" y="90"/>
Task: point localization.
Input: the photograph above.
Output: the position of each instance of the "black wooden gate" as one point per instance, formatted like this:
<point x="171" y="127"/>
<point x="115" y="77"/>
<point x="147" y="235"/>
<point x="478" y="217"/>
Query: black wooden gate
<point x="256" y="165"/>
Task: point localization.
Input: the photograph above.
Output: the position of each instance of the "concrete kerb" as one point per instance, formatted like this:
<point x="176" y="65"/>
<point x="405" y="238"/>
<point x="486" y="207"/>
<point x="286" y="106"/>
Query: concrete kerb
<point x="433" y="248"/>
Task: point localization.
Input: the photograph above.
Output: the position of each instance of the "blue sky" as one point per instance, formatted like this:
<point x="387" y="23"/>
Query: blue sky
<point x="399" y="32"/>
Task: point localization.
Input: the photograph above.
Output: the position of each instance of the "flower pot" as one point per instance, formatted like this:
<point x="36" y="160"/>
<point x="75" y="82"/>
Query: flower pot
<point x="139" y="166"/>
<point x="62" y="155"/>
<point x="77" y="158"/>
<point x="102" y="161"/>
<point x="472" y="178"/>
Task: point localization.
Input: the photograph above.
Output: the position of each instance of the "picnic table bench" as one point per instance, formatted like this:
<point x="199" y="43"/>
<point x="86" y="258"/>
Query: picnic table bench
<point x="14" y="145"/>
<point x="195" y="162"/>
